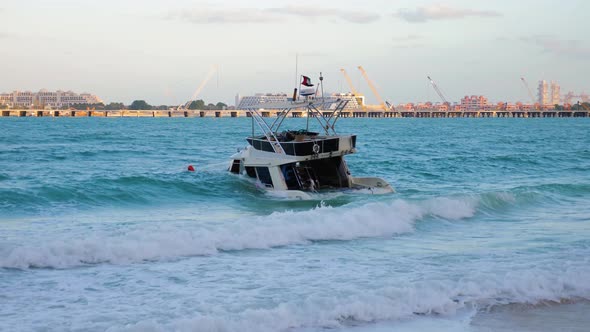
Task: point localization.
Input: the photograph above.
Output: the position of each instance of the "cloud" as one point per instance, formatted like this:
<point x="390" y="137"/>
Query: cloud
<point x="408" y="41"/>
<point x="212" y="15"/>
<point x="408" y="46"/>
<point x="440" y="12"/>
<point x="560" y="47"/>
<point x="410" y="37"/>
<point x="502" y="39"/>
<point x="215" y="15"/>
<point x="314" y="13"/>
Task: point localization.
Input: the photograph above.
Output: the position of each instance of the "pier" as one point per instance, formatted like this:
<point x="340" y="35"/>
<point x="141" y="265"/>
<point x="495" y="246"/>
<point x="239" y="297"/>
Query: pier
<point x="273" y="113"/>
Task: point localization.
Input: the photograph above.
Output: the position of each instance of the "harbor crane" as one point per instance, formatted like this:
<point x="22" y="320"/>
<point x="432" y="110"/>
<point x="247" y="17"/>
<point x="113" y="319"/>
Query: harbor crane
<point x="210" y="74"/>
<point x="349" y="81"/>
<point x="526" y="85"/>
<point x="353" y="90"/>
<point x="437" y="89"/>
<point x="372" y="86"/>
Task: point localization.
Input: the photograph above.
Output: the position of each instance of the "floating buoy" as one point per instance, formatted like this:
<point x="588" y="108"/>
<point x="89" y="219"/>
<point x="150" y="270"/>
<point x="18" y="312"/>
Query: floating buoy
<point x="191" y="168"/>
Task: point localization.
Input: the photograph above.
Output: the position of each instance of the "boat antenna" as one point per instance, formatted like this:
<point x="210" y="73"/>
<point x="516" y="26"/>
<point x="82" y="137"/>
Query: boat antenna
<point x="322" y="84"/>
<point x="296" y="76"/>
<point x="308" y="114"/>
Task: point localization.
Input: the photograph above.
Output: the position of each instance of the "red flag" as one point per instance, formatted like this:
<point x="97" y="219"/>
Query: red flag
<point x="306" y="81"/>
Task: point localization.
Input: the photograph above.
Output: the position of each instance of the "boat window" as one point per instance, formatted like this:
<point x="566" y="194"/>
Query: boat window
<point x="250" y="171"/>
<point x="290" y="176"/>
<point x="329" y="172"/>
<point x="235" y="166"/>
<point x="264" y="175"/>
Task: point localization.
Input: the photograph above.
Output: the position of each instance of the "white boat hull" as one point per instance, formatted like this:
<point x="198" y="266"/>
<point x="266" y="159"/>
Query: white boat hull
<point x="378" y="185"/>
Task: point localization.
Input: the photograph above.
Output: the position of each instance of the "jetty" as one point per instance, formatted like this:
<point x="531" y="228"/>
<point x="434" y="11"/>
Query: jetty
<point x="274" y="113"/>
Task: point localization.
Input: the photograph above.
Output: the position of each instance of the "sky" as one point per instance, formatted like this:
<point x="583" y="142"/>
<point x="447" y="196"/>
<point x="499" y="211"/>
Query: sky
<point x="161" y="51"/>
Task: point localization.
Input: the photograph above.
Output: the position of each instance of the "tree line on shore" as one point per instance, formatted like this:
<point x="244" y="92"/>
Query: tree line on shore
<point x="585" y="106"/>
<point x="135" y="105"/>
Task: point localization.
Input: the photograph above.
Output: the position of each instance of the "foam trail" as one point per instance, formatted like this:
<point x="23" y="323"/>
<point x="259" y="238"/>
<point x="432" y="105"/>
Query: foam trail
<point x="277" y="229"/>
<point x="446" y="298"/>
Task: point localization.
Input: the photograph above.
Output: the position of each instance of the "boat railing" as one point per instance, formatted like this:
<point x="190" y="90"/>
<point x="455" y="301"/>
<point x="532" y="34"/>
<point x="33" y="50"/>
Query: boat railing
<point x="328" y="122"/>
<point x="268" y="132"/>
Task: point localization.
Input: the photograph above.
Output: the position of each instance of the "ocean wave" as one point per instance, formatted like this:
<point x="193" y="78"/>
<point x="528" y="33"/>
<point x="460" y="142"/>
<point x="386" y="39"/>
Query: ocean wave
<point x="275" y="230"/>
<point x="116" y="191"/>
<point x="210" y="181"/>
<point x="567" y="189"/>
<point x="447" y="298"/>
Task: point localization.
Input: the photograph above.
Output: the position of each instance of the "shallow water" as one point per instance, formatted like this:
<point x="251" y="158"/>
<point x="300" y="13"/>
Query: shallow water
<point x="101" y="228"/>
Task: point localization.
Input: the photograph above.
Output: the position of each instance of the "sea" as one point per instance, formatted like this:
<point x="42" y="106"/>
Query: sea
<point x="102" y="228"/>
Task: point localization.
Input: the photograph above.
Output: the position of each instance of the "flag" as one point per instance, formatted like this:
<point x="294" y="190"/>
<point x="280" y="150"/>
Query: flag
<point x="306" y="81"/>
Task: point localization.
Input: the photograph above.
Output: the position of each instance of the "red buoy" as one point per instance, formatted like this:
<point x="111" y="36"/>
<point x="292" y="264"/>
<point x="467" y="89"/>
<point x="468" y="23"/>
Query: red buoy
<point x="191" y="168"/>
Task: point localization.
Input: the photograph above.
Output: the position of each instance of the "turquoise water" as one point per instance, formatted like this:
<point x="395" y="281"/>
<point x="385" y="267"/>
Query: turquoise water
<point x="102" y="228"/>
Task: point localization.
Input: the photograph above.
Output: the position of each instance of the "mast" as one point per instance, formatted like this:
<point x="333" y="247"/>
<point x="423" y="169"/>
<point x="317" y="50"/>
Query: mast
<point x="322" y="84"/>
<point x="296" y="76"/>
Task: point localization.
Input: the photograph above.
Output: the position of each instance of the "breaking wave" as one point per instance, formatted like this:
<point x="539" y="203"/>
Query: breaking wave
<point x="257" y="232"/>
<point x="540" y="286"/>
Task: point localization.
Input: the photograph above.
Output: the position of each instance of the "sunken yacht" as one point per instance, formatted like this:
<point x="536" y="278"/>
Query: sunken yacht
<point x="295" y="164"/>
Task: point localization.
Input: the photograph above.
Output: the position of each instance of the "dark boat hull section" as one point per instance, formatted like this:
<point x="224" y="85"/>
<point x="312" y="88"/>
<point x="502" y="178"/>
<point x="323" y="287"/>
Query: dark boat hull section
<point x="300" y="148"/>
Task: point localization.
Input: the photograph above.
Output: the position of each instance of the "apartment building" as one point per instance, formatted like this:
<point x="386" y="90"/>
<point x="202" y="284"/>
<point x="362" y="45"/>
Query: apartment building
<point x="47" y="99"/>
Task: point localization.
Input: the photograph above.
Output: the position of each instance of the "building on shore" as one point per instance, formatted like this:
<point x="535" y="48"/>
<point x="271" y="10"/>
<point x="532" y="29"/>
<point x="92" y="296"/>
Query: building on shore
<point x="543" y="93"/>
<point x="474" y="103"/>
<point x="46" y="99"/>
<point x="548" y="94"/>
<point x="555" y="93"/>
<point x="243" y="102"/>
<point x="355" y="102"/>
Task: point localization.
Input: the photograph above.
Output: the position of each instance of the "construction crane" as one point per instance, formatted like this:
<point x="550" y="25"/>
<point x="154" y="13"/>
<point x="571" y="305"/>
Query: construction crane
<point x="526" y="85"/>
<point x="372" y="86"/>
<point x="440" y="94"/>
<point x="349" y="81"/>
<point x="355" y="93"/>
<point x="210" y="74"/>
<point x="571" y="96"/>
<point x="390" y="106"/>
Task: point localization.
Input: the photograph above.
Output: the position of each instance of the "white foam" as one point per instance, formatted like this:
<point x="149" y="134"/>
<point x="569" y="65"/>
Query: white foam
<point x="457" y="300"/>
<point x="449" y="208"/>
<point x="277" y="229"/>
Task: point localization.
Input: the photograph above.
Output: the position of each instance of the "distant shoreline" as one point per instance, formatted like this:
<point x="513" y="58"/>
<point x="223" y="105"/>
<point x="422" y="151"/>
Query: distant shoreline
<point x="295" y="114"/>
